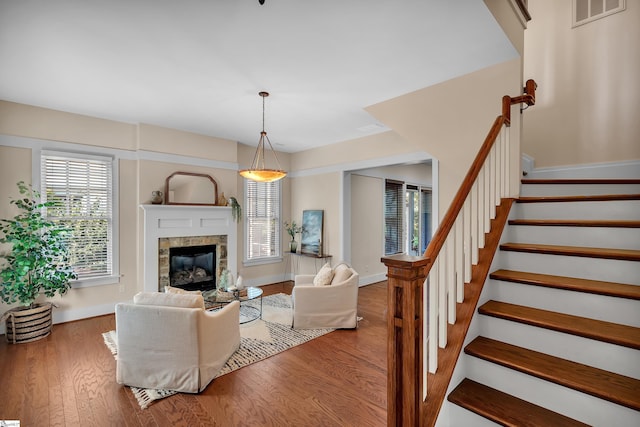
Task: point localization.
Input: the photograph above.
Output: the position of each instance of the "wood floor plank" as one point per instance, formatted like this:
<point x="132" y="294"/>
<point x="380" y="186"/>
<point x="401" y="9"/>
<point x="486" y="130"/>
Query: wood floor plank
<point x="578" y="251"/>
<point x="338" y="379"/>
<point x="619" y="290"/>
<point x="614" y="333"/>
<point x="505" y="409"/>
<point x="605" y="385"/>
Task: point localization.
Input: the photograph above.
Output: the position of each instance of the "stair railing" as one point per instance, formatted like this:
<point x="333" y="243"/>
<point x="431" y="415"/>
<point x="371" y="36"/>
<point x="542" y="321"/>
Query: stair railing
<point x="438" y="277"/>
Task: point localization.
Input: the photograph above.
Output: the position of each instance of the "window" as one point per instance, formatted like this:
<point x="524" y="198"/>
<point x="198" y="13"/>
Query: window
<point x="407" y="218"/>
<point x="393" y="206"/>
<point x="81" y="190"/>
<point x="262" y="201"/>
<point x="585" y="11"/>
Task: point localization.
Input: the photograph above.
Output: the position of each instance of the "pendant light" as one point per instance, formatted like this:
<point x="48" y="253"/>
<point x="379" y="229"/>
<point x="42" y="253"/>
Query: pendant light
<point x="258" y="172"/>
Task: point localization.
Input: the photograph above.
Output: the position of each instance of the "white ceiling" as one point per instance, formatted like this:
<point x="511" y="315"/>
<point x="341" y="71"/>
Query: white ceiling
<point x="198" y="65"/>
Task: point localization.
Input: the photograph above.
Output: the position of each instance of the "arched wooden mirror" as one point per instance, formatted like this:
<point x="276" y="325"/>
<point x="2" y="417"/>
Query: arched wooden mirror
<point x="188" y="188"/>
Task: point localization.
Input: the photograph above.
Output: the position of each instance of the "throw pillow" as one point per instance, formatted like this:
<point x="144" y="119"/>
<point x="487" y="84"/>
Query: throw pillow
<point x="169" y="300"/>
<point x="324" y="276"/>
<point x="173" y="290"/>
<point x="341" y="273"/>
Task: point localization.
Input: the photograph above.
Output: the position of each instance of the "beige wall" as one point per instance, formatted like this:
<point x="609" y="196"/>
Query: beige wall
<point x="588" y="98"/>
<point x="385" y="144"/>
<point x="42" y="123"/>
<point x="367" y="225"/>
<point x="450" y="120"/>
<point x="320" y="192"/>
<point x="137" y="179"/>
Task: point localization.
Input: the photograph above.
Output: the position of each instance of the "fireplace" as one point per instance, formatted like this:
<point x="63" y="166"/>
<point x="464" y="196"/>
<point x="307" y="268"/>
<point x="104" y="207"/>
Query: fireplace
<point x="192" y="268"/>
<point x="191" y="263"/>
<point x="190" y="233"/>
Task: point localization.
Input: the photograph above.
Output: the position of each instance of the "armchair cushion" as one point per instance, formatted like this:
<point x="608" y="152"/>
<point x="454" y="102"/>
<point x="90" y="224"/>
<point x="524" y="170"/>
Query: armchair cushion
<point x="324" y="276"/>
<point x="341" y="272"/>
<point x="174" y="290"/>
<point x="169" y="299"/>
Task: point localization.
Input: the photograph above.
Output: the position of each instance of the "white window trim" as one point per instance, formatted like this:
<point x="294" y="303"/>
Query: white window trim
<point x="278" y="258"/>
<point x="574" y="4"/>
<point x="36" y="177"/>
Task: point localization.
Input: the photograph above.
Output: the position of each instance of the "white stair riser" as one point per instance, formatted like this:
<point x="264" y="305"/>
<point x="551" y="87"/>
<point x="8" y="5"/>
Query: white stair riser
<point x="559" y="265"/>
<point x="600" y="307"/>
<point x="610" y="357"/>
<point x="572" y="403"/>
<point x="577" y="189"/>
<point x="463" y="417"/>
<point x="618" y="210"/>
<point x="595" y="237"/>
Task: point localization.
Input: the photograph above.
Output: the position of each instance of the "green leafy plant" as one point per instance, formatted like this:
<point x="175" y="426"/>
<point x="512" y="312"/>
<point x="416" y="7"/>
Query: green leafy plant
<point x="37" y="260"/>
<point x="292" y="229"/>
<point x="236" y="209"/>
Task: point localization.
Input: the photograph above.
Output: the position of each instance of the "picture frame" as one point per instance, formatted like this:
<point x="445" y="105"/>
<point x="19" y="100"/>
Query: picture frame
<point x="312" y="230"/>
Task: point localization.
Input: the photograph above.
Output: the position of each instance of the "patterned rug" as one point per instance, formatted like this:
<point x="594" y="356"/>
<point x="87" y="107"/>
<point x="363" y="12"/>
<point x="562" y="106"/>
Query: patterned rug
<point x="259" y="340"/>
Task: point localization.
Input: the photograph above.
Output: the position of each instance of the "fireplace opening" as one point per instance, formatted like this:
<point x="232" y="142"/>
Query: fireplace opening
<point x="192" y="268"/>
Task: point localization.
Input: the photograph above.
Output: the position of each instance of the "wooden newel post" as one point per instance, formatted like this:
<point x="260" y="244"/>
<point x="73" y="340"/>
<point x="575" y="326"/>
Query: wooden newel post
<point x="406" y="275"/>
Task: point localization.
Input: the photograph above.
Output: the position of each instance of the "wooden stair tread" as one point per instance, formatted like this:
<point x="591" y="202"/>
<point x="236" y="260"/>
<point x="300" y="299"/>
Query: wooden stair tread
<point x="590" y="198"/>
<point x="603" y="384"/>
<point x="606" y="253"/>
<point x="614" y="333"/>
<point x="576" y="223"/>
<point x="612" y="289"/>
<point x="615" y="181"/>
<point x="505" y="409"/>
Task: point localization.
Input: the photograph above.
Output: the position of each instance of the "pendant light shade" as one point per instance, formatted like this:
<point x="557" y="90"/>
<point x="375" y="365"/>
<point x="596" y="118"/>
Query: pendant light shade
<point x="258" y="172"/>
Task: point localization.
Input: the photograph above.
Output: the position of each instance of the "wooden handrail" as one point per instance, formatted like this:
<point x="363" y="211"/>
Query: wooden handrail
<point x="406" y="275"/>
<point x="449" y="219"/>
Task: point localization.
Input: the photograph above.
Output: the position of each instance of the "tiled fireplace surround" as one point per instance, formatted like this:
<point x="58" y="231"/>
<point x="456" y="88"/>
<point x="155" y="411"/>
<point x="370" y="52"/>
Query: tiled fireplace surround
<point x="178" y="225"/>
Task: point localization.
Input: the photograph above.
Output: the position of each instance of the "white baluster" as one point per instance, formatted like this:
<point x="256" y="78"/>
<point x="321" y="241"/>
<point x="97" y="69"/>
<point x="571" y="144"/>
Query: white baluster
<point x="451" y="276"/>
<point x="481" y="202"/>
<point x="442" y="298"/>
<point x="459" y="257"/>
<point x="474" y="223"/>
<point x="433" y="319"/>
<point x="467" y="239"/>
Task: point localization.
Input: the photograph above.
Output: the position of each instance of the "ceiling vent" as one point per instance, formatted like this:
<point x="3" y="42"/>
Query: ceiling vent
<point x="585" y="11"/>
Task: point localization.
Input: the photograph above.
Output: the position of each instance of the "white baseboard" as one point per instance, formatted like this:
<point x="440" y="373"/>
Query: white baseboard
<point x="527" y="163"/>
<point x="63" y="316"/>
<point x="374" y="278"/>
<point x="628" y="169"/>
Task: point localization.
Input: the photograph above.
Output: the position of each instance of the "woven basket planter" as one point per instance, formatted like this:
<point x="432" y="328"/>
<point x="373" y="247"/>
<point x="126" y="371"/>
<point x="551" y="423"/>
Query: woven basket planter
<point x="28" y="324"/>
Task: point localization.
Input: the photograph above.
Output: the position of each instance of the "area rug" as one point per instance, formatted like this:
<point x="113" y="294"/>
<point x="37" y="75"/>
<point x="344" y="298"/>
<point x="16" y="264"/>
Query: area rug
<point x="259" y="340"/>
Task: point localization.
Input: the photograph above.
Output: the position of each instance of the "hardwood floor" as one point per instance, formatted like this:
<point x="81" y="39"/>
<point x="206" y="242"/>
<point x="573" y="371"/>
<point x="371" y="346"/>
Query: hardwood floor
<point x="339" y="379"/>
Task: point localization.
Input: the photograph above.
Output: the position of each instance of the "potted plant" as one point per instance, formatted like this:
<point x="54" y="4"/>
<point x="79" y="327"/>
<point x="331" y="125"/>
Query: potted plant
<point x="292" y="229"/>
<point x="236" y="209"/>
<point x="35" y="261"/>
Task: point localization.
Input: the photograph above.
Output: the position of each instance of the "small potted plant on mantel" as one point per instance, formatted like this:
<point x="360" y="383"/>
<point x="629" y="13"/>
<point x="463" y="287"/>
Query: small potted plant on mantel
<point x="34" y="261"/>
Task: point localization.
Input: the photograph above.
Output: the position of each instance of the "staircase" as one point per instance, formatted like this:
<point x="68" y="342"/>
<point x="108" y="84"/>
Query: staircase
<point x="556" y="337"/>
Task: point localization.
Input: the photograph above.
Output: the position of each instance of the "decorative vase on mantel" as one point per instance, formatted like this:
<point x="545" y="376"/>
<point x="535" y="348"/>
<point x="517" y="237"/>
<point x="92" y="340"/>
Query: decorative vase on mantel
<point x="293" y="246"/>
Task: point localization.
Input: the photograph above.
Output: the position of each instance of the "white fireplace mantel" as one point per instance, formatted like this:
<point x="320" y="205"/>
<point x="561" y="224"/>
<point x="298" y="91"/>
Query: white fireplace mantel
<point x="179" y="220"/>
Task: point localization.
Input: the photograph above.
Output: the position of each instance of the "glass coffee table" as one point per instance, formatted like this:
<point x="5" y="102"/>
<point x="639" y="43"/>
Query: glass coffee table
<point x="250" y="302"/>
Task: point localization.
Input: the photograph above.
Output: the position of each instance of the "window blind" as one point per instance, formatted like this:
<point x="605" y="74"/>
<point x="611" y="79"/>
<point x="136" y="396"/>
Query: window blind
<point x="263" y="220"/>
<point x="79" y="187"/>
<point x="393" y="207"/>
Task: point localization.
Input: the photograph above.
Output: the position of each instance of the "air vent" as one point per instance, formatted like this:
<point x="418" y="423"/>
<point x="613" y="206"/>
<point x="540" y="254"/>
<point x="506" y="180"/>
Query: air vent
<point x="585" y="11"/>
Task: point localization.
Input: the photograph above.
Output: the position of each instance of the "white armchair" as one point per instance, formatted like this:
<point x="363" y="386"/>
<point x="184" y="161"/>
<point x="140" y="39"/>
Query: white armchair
<point x="331" y="303"/>
<point x="169" y="341"/>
